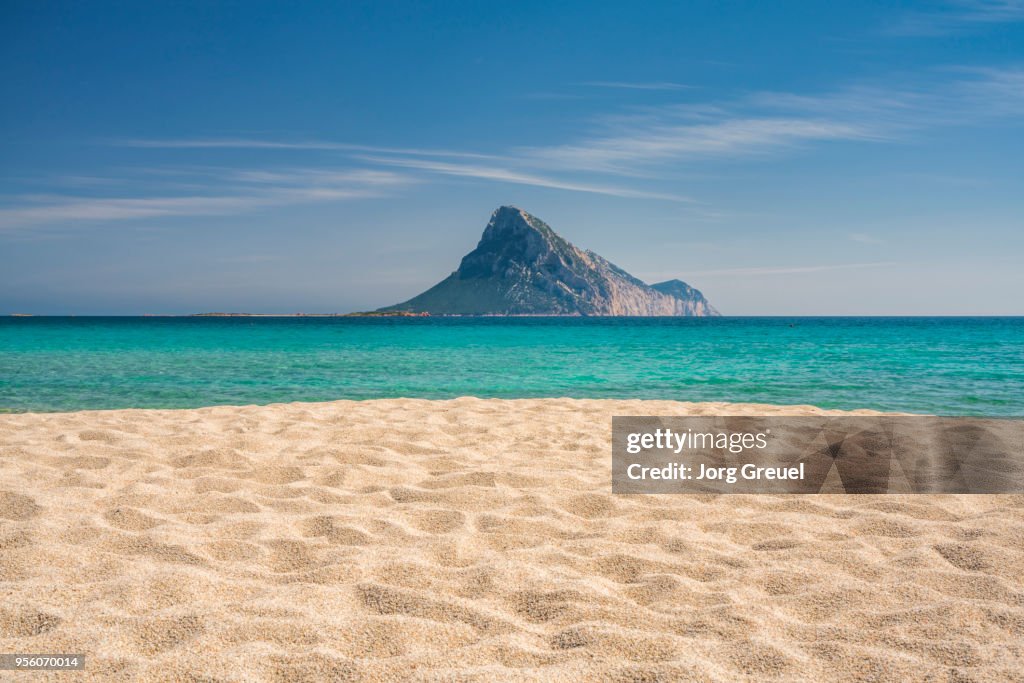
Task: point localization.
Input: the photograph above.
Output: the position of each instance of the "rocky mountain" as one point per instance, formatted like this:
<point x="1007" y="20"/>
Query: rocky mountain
<point x="678" y="289"/>
<point x="522" y="267"/>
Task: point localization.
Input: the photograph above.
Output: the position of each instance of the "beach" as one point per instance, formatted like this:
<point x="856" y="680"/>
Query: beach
<point x="472" y="539"/>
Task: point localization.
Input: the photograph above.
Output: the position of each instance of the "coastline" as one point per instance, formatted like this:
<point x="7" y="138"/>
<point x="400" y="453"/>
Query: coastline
<point x="475" y="538"/>
<point x="625" y="404"/>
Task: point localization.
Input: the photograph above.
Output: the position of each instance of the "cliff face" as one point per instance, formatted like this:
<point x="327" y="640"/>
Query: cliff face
<point x="522" y="267"/>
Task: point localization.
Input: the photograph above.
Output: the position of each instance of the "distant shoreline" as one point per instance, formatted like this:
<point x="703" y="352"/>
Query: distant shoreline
<point x="408" y="314"/>
<point x="362" y="314"/>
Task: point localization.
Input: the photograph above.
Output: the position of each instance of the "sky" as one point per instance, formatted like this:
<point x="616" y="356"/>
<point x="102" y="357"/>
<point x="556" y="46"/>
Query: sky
<point x="786" y="158"/>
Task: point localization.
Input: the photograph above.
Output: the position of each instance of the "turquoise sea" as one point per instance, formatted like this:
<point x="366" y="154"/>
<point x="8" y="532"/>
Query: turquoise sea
<point x="947" y="366"/>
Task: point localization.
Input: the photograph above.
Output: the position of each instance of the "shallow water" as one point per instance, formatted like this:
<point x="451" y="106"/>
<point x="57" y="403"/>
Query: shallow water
<point x="948" y="366"/>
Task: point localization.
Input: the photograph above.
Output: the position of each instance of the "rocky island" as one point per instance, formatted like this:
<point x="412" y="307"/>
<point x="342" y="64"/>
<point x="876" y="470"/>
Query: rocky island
<point x="523" y="267"/>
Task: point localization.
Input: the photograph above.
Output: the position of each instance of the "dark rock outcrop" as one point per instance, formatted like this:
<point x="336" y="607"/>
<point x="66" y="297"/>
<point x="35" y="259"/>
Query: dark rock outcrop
<point x="522" y="267"/>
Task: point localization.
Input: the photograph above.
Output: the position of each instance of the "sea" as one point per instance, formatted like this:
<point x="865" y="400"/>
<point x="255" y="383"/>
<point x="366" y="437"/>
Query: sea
<point x="943" y="366"/>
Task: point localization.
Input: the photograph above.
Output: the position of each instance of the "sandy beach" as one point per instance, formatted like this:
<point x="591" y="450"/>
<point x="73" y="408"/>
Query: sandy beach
<point x="473" y="540"/>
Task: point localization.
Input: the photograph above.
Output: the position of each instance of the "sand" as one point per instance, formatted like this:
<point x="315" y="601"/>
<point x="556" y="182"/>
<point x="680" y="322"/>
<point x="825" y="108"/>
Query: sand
<point x="472" y="540"/>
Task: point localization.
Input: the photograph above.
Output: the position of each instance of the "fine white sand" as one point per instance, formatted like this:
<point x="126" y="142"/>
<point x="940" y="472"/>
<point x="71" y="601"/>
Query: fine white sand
<point x="473" y="540"/>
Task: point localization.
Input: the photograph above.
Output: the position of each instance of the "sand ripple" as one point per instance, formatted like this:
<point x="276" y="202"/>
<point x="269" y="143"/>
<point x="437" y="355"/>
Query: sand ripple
<point x="473" y="540"/>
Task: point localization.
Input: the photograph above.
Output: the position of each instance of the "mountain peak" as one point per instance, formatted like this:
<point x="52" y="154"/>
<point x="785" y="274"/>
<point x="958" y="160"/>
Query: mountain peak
<point x="511" y="221"/>
<point x="516" y="240"/>
<point x="509" y="210"/>
<point x="523" y="267"/>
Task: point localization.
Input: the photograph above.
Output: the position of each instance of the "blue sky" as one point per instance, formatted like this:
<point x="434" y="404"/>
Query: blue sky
<point x="786" y="158"/>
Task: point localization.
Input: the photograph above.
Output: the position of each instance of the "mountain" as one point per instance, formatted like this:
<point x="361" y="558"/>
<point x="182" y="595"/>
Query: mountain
<point x="678" y="289"/>
<point x="523" y="267"/>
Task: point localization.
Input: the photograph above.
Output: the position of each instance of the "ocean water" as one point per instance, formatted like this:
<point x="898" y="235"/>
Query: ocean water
<point x="946" y="366"/>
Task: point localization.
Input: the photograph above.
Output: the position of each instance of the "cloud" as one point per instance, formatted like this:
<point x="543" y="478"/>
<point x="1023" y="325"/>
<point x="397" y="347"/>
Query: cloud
<point x="999" y="92"/>
<point x="864" y="238"/>
<point x="64" y="209"/>
<point x="521" y="178"/>
<point x="242" y="191"/>
<point x="751" y="124"/>
<point x="305" y="182"/>
<point x="664" y="142"/>
<point x="770" y="122"/>
<point x="640" y="143"/>
<point x="792" y="270"/>
<point x="948" y="96"/>
<point x="873" y="107"/>
<point x="311" y="145"/>
<point x="622" y="85"/>
<point x="762" y="123"/>
<point x="956" y="16"/>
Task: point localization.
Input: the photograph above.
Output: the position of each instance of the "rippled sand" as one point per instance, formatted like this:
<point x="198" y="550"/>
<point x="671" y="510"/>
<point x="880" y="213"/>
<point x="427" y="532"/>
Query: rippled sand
<point x="473" y="540"/>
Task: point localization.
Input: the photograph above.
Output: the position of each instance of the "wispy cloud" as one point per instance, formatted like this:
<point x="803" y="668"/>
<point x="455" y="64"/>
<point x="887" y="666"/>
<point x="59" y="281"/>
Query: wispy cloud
<point x="553" y="96"/>
<point x="629" y="153"/>
<point x="626" y="85"/>
<point x="791" y="270"/>
<point x="748" y="125"/>
<point x="1000" y="92"/>
<point x="873" y="106"/>
<point x="948" y="96"/>
<point x="316" y="183"/>
<point x="521" y="178"/>
<point x="647" y="144"/>
<point x="864" y="238"/>
<point x="762" y="123"/>
<point x="956" y="16"/>
<point x="60" y="209"/>
<point x="308" y="145"/>
<point x="241" y="191"/>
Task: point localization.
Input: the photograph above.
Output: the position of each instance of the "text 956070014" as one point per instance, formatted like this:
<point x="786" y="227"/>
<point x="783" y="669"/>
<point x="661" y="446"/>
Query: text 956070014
<point x="41" y="662"/>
